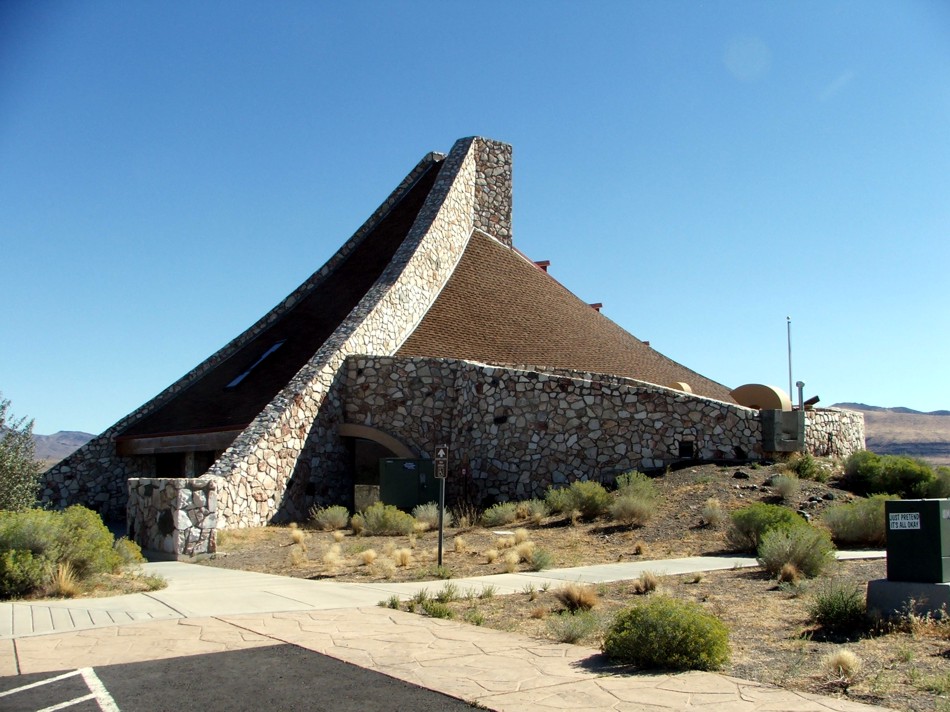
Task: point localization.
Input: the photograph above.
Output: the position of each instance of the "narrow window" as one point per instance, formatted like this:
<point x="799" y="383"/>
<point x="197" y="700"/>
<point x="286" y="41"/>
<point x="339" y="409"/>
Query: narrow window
<point x="254" y="365"/>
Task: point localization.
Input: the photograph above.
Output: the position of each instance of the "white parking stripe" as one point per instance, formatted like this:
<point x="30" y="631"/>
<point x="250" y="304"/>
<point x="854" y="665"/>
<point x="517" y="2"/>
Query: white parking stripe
<point x="68" y="703"/>
<point x="103" y="698"/>
<point x="40" y="683"/>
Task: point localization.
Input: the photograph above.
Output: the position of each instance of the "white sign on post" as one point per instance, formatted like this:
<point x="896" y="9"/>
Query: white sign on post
<point x="441" y="461"/>
<point x="904" y="520"/>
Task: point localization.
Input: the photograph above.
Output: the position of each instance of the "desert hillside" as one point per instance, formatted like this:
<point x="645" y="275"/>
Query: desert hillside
<point x="902" y="431"/>
<point x="50" y="449"/>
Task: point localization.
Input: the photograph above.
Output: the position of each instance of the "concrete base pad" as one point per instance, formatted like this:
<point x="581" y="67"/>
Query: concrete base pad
<point x="891" y="598"/>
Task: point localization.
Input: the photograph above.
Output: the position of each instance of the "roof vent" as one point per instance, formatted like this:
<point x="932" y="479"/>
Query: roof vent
<point x="543" y="264"/>
<point x="597" y="306"/>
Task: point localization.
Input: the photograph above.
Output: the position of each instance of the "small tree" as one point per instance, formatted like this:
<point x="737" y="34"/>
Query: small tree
<point x="19" y="471"/>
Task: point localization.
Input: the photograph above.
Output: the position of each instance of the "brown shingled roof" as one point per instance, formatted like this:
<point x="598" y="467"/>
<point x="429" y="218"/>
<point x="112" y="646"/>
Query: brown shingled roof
<point x="500" y="308"/>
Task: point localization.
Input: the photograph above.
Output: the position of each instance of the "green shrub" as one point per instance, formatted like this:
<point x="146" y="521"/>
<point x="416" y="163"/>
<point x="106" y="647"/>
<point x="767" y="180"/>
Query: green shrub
<point x="807" y="548"/>
<point x="557" y="500"/>
<point x="637" y="484"/>
<point x="86" y="543"/>
<point x="128" y="551"/>
<point x="668" y="633"/>
<point x="867" y="473"/>
<point x="500" y="514"/>
<point x="839" y="606"/>
<point x="534" y="509"/>
<point x="567" y="627"/>
<point x="750" y="523"/>
<point x="632" y="510"/>
<point x="807" y="467"/>
<point x="588" y="498"/>
<point x="19" y="470"/>
<point x="787" y="486"/>
<point x="860" y="523"/>
<point x="386" y="520"/>
<point x="940" y="487"/>
<point x="435" y="609"/>
<point x="22" y="573"/>
<point x="33" y="530"/>
<point x="428" y="514"/>
<point x="330" y="518"/>
<point x="541" y="559"/>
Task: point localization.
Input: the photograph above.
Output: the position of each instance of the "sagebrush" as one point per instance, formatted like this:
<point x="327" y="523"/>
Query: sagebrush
<point x="806" y="548"/>
<point x="668" y="633"/>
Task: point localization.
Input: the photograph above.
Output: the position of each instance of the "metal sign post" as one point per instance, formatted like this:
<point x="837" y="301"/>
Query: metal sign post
<point x="441" y="469"/>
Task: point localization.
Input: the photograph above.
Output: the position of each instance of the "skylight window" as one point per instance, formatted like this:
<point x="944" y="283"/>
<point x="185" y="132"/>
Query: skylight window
<point x="254" y="365"/>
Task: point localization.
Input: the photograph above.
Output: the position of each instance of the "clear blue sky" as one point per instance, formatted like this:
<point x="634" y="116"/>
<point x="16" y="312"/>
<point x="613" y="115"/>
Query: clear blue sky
<point x="170" y="171"/>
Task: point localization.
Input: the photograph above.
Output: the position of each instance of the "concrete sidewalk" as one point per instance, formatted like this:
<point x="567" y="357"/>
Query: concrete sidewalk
<point x="205" y="610"/>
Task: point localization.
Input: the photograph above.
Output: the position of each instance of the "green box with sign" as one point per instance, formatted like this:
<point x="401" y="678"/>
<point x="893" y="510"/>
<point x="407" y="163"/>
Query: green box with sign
<point x="918" y="540"/>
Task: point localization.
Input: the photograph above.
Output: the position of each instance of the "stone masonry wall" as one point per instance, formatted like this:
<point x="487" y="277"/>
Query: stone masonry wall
<point x="175" y="517"/>
<point x="834" y="433"/>
<point x="519" y="432"/>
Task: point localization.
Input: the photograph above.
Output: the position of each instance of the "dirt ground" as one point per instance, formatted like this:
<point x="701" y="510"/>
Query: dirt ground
<point x="772" y="640"/>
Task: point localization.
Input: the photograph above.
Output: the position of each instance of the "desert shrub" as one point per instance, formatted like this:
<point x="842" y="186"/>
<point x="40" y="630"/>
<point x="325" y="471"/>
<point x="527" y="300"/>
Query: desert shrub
<point x="330" y="518"/>
<point x="637" y="484"/>
<point x="940" y="487"/>
<point x="588" y="498"/>
<point x="713" y="513"/>
<point x="861" y="523"/>
<point x="787" y="486"/>
<point x="357" y="524"/>
<point x="534" y="510"/>
<point x="33" y="530"/>
<point x="435" y="609"/>
<point x="541" y="559"/>
<point x="838" y="606"/>
<point x="750" y="523"/>
<point x="429" y="514"/>
<point x="22" y="573"/>
<point x="567" y="627"/>
<point x="86" y="543"/>
<point x="19" y="470"/>
<point x="668" y="633"/>
<point x="500" y="514"/>
<point x="386" y="520"/>
<point x="128" y="551"/>
<point x="577" y="597"/>
<point x="868" y="473"/>
<point x="807" y="548"/>
<point x="632" y="510"/>
<point x="557" y="500"/>
<point x="807" y="467"/>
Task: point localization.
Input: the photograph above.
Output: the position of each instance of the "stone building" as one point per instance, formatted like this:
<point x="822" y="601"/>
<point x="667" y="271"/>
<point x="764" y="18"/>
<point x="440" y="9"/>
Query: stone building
<point x="427" y="326"/>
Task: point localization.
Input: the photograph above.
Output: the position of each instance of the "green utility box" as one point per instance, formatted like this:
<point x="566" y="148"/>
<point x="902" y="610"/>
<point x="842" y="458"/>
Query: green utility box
<point x="406" y="483"/>
<point x="918" y="540"/>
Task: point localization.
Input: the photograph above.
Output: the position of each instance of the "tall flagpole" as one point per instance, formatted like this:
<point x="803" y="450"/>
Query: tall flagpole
<point x="788" y="323"/>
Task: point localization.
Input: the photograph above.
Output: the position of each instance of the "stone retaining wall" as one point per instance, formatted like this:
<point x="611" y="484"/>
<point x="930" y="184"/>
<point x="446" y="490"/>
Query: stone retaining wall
<point x="173" y="517"/>
<point x="834" y="433"/>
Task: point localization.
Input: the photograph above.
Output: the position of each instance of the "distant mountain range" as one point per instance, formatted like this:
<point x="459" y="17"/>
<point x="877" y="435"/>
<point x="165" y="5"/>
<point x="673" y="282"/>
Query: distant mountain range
<point x="902" y="431"/>
<point x="889" y="431"/>
<point x="50" y="449"/>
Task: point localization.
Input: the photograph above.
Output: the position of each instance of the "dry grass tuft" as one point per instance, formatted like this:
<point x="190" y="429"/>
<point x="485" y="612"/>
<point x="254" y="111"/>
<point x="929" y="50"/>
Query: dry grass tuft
<point x="334" y="556"/>
<point x="640" y="549"/>
<point x="402" y="557"/>
<point x="538" y="612"/>
<point x="511" y="561"/>
<point x="388" y="548"/>
<point x="297" y="536"/>
<point x="412" y="541"/>
<point x="525" y="550"/>
<point x="491" y="555"/>
<point x="647" y="583"/>
<point x="505" y="542"/>
<point x="64" y="581"/>
<point x="385" y="568"/>
<point x="420" y="527"/>
<point x="577" y="597"/>
<point x="298" y="556"/>
<point x="338" y="536"/>
<point x="841" y="664"/>
<point x="368" y="556"/>
<point x="521" y="535"/>
<point x="789" y="574"/>
<point x="460" y="545"/>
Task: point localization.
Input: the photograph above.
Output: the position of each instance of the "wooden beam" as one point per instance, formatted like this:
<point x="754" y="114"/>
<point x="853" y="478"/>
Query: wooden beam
<point x="186" y="442"/>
